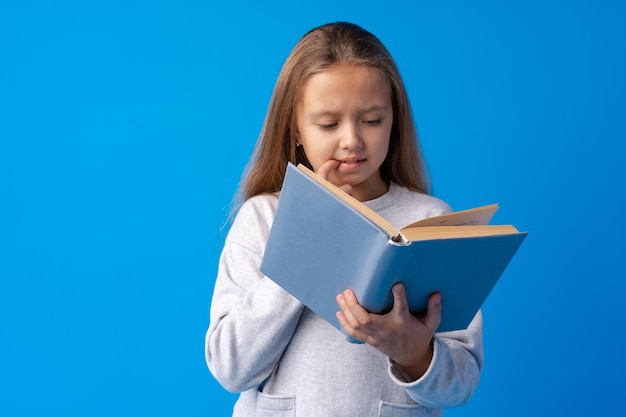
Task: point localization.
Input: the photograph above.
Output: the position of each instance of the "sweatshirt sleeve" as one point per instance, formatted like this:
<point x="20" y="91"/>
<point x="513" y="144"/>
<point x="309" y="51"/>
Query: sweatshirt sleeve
<point x="252" y="318"/>
<point x="454" y="371"/>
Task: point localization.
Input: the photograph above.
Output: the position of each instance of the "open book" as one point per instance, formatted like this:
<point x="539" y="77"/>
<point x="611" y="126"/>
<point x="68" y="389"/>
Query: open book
<point x="323" y="241"/>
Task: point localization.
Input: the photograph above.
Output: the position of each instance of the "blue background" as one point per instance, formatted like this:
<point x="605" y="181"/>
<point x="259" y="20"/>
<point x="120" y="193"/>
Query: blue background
<point x="124" y="128"/>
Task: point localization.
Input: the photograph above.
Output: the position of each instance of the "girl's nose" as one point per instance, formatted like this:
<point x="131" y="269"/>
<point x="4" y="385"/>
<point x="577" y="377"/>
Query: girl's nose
<point x="351" y="137"/>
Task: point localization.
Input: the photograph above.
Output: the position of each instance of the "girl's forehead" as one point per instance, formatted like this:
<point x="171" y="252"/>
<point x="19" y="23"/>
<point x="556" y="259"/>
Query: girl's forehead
<point x="348" y="70"/>
<point x="346" y="83"/>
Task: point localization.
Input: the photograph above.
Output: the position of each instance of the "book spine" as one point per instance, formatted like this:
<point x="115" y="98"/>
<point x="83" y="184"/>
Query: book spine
<point x="376" y="297"/>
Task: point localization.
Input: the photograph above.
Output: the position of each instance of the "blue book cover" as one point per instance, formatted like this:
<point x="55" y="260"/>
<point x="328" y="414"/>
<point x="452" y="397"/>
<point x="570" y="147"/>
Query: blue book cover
<point x="323" y="242"/>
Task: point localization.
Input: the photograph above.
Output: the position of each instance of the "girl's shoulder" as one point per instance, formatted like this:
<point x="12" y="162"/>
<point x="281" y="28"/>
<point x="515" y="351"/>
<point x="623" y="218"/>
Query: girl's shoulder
<point x="254" y="217"/>
<point x="262" y="205"/>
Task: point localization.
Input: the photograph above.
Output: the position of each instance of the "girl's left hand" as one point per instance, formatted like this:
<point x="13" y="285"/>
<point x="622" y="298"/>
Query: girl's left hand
<point x="404" y="338"/>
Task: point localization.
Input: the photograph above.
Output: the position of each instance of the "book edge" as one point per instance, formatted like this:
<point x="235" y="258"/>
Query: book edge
<point x="358" y="206"/>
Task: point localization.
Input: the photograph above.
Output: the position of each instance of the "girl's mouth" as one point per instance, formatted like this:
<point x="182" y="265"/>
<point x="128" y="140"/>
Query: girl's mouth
<point x="351" y="163"/>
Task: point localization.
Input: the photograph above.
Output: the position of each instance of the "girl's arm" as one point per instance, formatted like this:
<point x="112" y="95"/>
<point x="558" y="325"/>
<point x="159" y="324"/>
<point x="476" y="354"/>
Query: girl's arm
<point x="454" y="371"/>
<point x="252" y="318"/>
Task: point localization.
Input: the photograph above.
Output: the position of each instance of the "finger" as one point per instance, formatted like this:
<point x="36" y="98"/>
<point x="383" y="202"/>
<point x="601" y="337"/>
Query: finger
<point x="346" y="323"/>
<point x="353" y="334"/>
<point x="400" y="303"/>
<point x="346" y="311"/>
<point x="326" y="170"/>
<point x="350" y="324"/>
<point x="327" y="167"/>
<point x="346" y="188"/>
<point x="433" y="316"/>
<point x="360" y="315"/>
<point x="357" y="317"/>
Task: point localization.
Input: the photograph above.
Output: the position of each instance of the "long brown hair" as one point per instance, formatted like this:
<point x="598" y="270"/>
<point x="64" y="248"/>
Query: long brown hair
<point x="333" y="43"/>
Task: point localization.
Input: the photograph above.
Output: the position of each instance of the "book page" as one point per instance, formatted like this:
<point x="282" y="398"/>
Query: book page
<point x="449" y="232"/>
<point x="471" y="217"/>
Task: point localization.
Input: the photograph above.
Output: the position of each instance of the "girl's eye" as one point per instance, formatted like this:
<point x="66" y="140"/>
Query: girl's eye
<point x="372" y="122"/>
<point x="327" y="126"/>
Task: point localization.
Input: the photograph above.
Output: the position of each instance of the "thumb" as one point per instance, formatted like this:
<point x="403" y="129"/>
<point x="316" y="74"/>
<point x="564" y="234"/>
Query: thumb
<point x="400" y="303"/>
<point x="433" y="315"/>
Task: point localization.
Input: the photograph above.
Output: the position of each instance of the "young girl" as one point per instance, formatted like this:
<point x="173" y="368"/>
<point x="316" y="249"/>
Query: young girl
<point x="340" y="107"/>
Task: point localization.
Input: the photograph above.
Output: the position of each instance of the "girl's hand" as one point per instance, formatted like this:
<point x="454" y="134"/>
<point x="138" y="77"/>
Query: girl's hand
<point x="326" y="171"/>
<point x="404" y="338"/>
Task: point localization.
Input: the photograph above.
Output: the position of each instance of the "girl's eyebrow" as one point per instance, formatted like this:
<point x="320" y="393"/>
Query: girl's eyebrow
<point x="321" y="114"/>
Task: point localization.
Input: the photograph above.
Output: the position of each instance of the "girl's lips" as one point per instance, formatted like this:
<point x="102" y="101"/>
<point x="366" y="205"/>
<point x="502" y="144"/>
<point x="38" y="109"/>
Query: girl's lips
<point x="351" y="163"/>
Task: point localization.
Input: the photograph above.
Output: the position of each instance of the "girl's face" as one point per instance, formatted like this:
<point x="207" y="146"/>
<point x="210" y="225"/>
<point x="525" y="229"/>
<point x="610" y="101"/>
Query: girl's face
<point x="345" y="115"/>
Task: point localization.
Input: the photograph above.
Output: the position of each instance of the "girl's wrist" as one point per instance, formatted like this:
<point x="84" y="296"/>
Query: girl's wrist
<point x="416" y="368"/>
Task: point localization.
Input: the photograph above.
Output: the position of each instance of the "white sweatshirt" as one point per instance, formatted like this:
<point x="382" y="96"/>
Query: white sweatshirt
<point x="287" y="361"/>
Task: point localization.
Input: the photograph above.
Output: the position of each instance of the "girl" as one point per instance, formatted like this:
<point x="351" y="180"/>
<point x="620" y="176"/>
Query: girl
<point x="340" y="107"/>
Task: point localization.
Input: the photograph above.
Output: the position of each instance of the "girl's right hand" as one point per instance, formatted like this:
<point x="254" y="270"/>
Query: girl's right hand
<point x="326" y="170"/>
